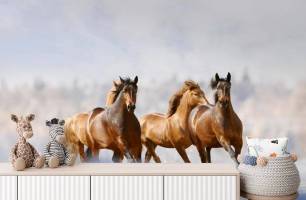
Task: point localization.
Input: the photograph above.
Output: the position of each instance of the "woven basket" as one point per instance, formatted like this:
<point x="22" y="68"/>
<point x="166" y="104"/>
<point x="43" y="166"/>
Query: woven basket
<point x="279" y="177"/>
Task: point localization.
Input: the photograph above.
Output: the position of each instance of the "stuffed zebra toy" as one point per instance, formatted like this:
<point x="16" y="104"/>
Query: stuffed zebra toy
<point x="55" y="152"/>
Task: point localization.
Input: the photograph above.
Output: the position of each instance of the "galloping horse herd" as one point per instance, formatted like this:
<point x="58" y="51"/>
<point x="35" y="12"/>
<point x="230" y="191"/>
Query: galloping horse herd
<point x="190" y="120"/>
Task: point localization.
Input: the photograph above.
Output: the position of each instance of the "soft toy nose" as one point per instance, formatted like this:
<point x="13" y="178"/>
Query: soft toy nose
<point x="27" y="134"/>
<point x="60" y="139"/>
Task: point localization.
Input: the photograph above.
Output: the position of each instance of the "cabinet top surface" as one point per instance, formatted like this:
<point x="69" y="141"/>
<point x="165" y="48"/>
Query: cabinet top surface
<point x="125" y="169"/>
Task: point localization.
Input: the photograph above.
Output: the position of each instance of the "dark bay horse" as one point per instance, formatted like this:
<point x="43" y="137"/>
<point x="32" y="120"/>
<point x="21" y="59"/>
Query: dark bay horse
<point x="171" y="130"/>
<point x="104" y="128"/>
<point x="217" y="126"/>
<point x="132" y="135"/>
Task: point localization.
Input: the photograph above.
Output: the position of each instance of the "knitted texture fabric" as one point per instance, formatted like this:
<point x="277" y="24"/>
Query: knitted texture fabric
<point x="279" y="177"/>
<point x="250" y="160"/>
<point x="55" y="148"/>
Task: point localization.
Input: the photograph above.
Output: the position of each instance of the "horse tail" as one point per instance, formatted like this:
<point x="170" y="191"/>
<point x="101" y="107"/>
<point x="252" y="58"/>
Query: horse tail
<point x="70" y="136"/>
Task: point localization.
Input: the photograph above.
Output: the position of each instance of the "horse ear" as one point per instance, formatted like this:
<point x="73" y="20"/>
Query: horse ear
<point x="30" y="117"/>
<point x="121" y="79"/>
<point x="228" y="78"/>
<point x="136" y="80"/>
<point x="217" y="77"/>
<point x="14" y="118"/>
<point x="214" y="82"/>
<point x="115" y="84"/>
<point x="48" y="123"/>
<point x="61" y="122"/>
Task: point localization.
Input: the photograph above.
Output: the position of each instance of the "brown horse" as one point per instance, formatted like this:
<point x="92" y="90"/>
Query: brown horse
<point x="132" y="136"/>
<point x="217" y="126"/>
<point x="104" y="128"/>
<point x="171" y="130"/>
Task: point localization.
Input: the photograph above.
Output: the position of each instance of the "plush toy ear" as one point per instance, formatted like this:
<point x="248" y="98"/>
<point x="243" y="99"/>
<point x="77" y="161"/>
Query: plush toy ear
<point x="61" y="122"/>
<point x="30" y="117"/>
<point x="14" y="118"/>
<point x="54" y="121"/>
<point x="48" y="123"/>
<point x="136" y="80"/>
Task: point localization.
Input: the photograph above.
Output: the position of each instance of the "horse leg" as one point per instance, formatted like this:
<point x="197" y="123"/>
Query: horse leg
<point x="202" y="152"/>
<point x="148" y="156"/>
<point x="182" y="153"/>
<point x="81" y="151"/>
<point x="117" y="156"/>
<point x="151" y="152"/>
<point x="128" y="156"/>
<point x="208" y="158"/>
<point x="91" y="156"/>
<point x="227" y="146"/>
<point x="238" y="148"/>
<point x="95" y="155"/>
<point x="136" y="154"/>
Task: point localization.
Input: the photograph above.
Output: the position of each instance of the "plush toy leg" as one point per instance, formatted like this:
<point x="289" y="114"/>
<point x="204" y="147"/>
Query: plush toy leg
<point x="19" y="164"/>
<point x="53" y="162"/>
<point x="39" y="162"/>
<point x="71" y="159"/>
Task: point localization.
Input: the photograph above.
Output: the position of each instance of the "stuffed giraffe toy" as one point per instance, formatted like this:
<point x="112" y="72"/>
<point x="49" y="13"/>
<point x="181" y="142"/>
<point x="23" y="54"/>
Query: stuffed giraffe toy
<point x="23" y="154"/>
<point x="55" y="151"/>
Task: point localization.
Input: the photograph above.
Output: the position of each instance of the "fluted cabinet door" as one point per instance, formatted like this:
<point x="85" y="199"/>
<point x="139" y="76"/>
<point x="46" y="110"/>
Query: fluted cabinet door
<point x="127" y="188"/>
<point x="200" y="188"/>
<point x="8" y="187"/>
<point x="53" y="188"/>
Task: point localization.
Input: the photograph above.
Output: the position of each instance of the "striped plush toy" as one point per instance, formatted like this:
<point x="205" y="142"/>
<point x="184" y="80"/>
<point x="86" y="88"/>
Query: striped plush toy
<point x="55" y="151"/>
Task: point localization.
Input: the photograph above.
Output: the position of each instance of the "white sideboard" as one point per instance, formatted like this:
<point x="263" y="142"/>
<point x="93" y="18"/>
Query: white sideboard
<point x="89" y="181"/>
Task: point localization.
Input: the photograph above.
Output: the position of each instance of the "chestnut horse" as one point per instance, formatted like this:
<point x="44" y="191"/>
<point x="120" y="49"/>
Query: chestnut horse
<point x="104" y="128"/>
<point x="171" y="130"/>
<point x="217" y="126"/>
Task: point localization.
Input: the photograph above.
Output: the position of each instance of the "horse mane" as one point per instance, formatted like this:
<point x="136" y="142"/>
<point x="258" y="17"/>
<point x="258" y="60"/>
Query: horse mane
<point x="115" y="91"/>
<point x="175" y="100"/>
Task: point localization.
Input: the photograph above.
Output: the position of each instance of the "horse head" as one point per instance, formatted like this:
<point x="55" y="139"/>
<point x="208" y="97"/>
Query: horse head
<point x="194" y="95"/>
<point x="129" y="91"/>
<point x="190" y="94"/>
<point x="223" y="89"/>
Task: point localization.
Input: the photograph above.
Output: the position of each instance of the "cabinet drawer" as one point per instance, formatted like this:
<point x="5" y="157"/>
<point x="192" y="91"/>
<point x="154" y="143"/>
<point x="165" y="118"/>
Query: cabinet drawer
<point x="127" y="187"/>
<point x="53" y="188"/>
<point x="200" y="188"/>
<point x="8" y="187"/>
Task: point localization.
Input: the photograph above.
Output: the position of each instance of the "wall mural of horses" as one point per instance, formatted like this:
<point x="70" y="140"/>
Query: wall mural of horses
<point x="171" y="130"/>
<point x="106" y="128"/>
<point x="190" y="120"/>
<point x="218" y="125"/>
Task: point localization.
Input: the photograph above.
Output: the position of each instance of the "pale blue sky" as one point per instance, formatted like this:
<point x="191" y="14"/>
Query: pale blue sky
<point x="59" y="40"/>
